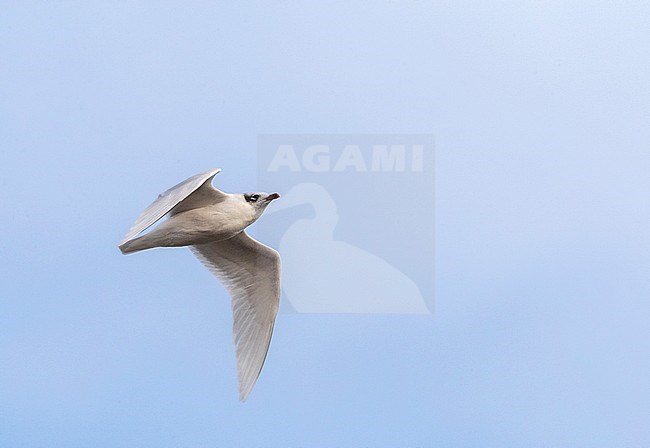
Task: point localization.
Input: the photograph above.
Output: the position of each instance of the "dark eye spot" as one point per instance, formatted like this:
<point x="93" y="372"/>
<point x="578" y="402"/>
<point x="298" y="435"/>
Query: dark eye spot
<point x="251" y="197"/>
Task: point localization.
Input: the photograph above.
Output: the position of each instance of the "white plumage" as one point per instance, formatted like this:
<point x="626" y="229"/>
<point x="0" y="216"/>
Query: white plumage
<point x="212" y="224"/>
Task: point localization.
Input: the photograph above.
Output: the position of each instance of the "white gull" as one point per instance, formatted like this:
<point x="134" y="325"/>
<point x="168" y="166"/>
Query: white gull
<point x="212" y="224"/>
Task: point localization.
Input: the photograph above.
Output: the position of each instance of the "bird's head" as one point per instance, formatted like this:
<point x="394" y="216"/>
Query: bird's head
<point x="259" y="201"/>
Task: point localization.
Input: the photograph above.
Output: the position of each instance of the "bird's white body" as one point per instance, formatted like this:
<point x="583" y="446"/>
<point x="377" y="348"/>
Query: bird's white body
<point x="212" y="224"/>
<point x="215" y="222"/>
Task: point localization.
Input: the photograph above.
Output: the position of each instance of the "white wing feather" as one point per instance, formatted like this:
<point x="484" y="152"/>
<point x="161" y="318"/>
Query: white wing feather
<point x="169" y="199"/>
<point x="250" y="271"/>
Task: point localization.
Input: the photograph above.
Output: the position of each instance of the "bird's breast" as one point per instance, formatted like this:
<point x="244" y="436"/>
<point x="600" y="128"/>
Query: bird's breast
<point x="210" y="223"/>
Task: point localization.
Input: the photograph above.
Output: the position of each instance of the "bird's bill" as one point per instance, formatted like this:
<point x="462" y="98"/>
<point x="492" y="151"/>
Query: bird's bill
<point x="270" y="197"/>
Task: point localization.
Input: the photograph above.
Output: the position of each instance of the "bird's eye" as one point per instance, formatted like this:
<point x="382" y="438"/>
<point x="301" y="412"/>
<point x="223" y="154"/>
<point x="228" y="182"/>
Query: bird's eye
<point x="251" y="197"/>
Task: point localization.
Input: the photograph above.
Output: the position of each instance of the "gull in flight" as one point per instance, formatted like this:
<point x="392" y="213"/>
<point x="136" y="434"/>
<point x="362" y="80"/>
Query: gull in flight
<point x="212" y="224"/>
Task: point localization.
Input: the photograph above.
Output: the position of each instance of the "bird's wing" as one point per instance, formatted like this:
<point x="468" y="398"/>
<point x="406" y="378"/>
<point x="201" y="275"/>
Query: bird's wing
<point x="251" y="273"/>
<point x="173" y="197"/>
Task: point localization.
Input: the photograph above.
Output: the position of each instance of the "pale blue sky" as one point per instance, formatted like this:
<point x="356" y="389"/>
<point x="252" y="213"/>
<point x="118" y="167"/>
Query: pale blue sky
<point x="541" y="115"/>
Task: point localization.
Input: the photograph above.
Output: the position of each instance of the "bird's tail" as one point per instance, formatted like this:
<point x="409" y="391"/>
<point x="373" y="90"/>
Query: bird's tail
<point x="134" y="245"/>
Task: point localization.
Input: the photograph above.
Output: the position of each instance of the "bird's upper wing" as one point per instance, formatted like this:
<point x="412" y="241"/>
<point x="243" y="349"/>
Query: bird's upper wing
<point x="251" y="273"/>
<point x="172" y="198"/>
